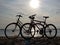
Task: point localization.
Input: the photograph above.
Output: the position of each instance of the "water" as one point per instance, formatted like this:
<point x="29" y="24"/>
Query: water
<point x="2" y="33"/>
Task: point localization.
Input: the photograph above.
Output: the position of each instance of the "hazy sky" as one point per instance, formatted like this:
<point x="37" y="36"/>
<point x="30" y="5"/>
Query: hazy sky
<point x="10" y="8"/>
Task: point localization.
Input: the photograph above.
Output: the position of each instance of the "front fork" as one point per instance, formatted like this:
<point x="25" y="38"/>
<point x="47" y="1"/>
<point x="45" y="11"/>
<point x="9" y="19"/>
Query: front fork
<point x="15" y="25"/>
<point x="30" y="27"/>
<point x="31" y="30"/>
<point x="14" y="28"/>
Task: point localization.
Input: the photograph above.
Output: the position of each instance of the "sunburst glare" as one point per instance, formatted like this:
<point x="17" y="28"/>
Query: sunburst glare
<point x="34" y="3"/>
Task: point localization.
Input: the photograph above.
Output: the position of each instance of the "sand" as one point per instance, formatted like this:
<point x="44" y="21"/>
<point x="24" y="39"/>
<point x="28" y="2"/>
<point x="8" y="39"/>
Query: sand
<point x="33" y="41"/>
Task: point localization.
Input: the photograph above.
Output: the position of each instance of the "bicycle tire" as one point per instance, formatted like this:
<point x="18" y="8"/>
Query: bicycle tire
<point x="8" y="35"/>
<point x="27" y="35"/>
<point x="53" y="34"/>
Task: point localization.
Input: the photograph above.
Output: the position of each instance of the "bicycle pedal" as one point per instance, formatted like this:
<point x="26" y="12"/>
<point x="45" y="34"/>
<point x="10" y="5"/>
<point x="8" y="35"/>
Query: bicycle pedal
<point x="41" y="31"/>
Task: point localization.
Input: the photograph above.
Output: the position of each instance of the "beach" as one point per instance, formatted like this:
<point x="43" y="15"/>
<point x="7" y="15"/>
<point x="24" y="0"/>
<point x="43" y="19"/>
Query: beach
<point x="33" y="41"/>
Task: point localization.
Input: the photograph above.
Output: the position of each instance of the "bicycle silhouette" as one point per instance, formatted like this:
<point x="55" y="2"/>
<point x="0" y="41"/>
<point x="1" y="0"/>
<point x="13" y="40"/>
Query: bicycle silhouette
<point x="12" y="30"/>
<point x="28" y="30"/>
<point x="49" y="30"/>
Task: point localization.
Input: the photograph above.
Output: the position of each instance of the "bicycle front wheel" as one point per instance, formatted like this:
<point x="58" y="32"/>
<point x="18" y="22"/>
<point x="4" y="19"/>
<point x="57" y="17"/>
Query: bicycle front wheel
<point x="27" y="31"/>
<point x="50" y="31"/>
<point x="12" y="31"/>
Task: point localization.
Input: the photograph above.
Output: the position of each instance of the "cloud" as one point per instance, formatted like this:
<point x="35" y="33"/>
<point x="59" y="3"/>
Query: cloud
<point x="9" y="9"/>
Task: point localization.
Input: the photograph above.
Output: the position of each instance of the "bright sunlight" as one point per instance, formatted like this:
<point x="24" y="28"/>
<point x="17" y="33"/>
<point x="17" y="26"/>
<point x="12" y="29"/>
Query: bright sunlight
<point x="34" y="3"/>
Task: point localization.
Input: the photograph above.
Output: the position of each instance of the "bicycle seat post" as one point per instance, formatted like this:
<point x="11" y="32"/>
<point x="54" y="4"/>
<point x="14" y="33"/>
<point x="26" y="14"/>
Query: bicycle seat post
<point x="18" y="17"/>
<point x="45" y="17"/>
<point x="32" y="17"/>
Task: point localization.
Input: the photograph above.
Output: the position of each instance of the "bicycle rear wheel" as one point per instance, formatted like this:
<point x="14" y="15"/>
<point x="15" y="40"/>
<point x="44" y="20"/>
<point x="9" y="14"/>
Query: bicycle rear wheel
<point x="12" y="31"/>
<point x="27" y="31"/>
<point x="50" y="31"/>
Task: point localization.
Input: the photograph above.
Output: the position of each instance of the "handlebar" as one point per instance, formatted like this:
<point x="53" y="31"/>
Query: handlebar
<point x="32" y="16"/>
<point x="18" y="16"/>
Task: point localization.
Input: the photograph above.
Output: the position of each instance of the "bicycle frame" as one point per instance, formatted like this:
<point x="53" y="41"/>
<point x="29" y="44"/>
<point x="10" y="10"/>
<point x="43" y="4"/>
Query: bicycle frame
<point x="19" y="22"/>
<point x="42" y="22"/>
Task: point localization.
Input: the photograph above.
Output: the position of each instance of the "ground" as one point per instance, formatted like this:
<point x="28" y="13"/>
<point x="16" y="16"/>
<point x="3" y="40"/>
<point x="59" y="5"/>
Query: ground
<point x="33" y="41"/>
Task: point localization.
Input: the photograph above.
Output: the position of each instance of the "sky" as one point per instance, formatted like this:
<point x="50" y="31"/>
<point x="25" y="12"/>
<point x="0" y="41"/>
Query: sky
<point x="10" y="8"/>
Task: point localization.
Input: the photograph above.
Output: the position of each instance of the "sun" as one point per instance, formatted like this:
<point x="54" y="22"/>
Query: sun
<point x="34" y="3"/>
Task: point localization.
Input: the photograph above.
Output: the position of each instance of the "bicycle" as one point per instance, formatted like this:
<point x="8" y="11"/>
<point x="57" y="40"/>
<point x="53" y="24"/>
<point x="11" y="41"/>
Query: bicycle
<point x="42" y="29"/>
<point x="12" y="30"/>
<point x="29" y="32"/>
<point x="49" y="30"/>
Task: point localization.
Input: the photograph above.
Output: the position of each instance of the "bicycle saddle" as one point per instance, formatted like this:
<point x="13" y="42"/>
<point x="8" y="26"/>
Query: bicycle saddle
<point x="32" y="16"/>
<point x="45" y="16"/>
<point x="19" y="15"/>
